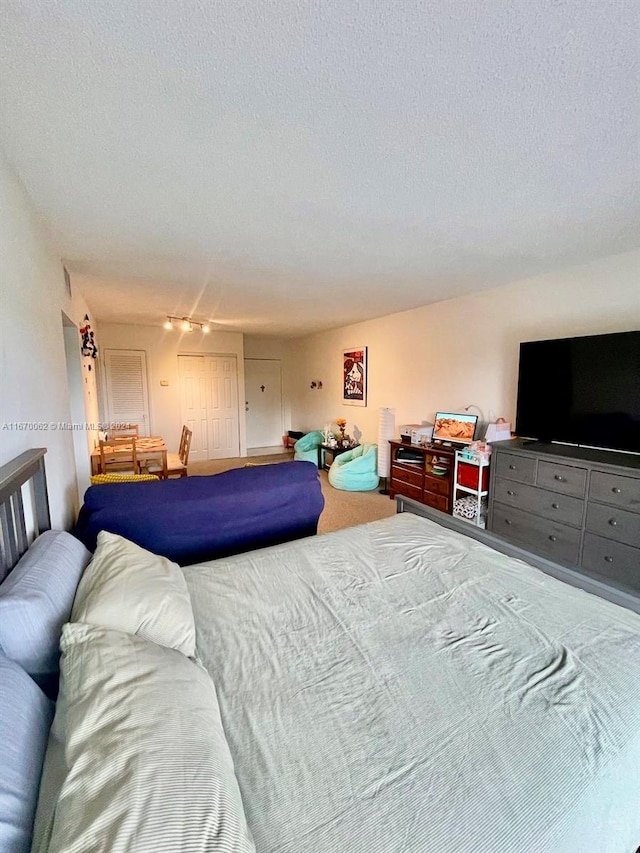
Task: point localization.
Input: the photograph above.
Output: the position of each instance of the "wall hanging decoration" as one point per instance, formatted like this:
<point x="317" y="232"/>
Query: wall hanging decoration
<point x="88" y="348"/>
<point x="354" y="376"/>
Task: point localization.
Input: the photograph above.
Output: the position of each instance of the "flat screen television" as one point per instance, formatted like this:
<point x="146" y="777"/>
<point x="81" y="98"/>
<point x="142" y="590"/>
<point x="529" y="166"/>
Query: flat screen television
<point x="583" y="391"/>
<point x="457" y="429"/>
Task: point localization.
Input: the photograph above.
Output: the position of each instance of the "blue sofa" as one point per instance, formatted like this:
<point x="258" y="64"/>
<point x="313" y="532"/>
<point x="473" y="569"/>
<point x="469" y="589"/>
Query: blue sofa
<point x="192" y="519"/>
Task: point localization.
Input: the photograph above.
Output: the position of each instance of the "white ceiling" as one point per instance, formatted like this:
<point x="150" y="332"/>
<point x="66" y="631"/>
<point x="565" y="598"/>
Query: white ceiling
<point x="286" y="166"/>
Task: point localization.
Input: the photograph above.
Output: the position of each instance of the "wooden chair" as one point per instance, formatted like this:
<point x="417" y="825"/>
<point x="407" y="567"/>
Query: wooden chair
<point x="124" y="431"/>
<point x="176" y="462"/>
<point x="112" y="457"/>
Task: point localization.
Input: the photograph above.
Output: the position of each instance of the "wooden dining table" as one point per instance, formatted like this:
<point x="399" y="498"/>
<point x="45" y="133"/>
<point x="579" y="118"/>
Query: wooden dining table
<point x="147" y="448"/>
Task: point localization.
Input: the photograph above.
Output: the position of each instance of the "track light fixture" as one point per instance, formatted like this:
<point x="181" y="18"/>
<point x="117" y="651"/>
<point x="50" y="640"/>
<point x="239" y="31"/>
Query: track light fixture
<point x="186" y="324"/>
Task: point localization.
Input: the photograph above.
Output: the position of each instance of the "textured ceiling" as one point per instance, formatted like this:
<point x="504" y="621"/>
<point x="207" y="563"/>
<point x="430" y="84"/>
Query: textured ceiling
<point x="280" y="167"/>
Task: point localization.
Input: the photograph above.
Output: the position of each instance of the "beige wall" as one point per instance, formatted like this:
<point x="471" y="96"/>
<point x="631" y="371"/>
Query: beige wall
<point x="162" y="348"/>
<point x="463" y="351"/>
<point x="34" y="387"/>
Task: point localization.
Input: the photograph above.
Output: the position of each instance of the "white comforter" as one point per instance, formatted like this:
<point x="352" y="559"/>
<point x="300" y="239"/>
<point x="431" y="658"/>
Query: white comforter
<point x="398" y="688"/>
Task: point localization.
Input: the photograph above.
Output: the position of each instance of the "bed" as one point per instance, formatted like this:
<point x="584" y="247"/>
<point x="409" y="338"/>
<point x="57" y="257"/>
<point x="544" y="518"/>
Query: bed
<point x="396" y="687"/>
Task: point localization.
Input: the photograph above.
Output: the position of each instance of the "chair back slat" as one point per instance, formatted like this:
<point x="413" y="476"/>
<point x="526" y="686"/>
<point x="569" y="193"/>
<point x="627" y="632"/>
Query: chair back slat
<point x="113" y="457"/>
<point x="185" y="446"/>
<point x="124" y="431"/>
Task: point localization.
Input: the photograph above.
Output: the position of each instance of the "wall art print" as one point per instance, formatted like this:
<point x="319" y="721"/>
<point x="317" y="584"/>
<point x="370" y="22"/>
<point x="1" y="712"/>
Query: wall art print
<point x="354" y="376"/>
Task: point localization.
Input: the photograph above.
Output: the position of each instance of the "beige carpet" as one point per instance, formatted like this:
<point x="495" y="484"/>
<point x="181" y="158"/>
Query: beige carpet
<point x="341" y="509"/>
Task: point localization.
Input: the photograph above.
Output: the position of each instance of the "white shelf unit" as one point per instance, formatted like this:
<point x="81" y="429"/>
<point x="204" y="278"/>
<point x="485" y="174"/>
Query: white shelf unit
<point x="480" y="494"/>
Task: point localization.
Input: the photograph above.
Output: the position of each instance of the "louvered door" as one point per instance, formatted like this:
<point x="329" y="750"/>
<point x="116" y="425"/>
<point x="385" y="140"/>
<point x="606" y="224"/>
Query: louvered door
<point x="127" y="394"/>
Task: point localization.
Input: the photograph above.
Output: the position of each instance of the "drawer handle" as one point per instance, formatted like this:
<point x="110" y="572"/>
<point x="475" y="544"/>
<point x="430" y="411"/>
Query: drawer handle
<point x="616" y="490"/>
<point x="559" y="478"/>
<point x="510" y="492"/>
<point x="608" y="559"/>
<point x="512" y="467"/>
<point x="555" y="506"/>
<point x="553" y="538"/>
<point x="613" y="522"/>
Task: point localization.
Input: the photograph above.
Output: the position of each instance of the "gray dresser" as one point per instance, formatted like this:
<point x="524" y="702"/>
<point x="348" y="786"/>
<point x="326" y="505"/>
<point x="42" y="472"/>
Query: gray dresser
<point x="575" y="506"/>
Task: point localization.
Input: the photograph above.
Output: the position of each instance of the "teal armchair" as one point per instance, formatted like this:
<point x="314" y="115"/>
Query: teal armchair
<point x="356" y="470"/>
<point x="306" y="448"/>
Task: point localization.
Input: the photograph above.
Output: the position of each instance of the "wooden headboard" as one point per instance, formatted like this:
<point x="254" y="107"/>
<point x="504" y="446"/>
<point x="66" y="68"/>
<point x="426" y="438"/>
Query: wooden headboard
<point x="14" y="538"/>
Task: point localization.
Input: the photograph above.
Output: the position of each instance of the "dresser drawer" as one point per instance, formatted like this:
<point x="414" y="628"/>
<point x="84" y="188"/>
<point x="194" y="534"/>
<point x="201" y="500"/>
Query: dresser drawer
<point x="611" y="560"/>
<point x="439" y="485"/>
<point x="440" y="502"/>
<point x="543" y="536"/>
<point x="514" y="467"/>
<point x="398" y="487"/>
<point x="615" y="489"/>
<point x="405" y="475"/>
<point x="614" y="523"/>
<point x="560" y="508"/>
<point x="565" y="479"/>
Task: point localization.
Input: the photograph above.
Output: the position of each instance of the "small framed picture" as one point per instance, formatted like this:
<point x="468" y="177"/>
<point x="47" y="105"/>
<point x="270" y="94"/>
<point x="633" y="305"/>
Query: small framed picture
<point x="354" y="376"/>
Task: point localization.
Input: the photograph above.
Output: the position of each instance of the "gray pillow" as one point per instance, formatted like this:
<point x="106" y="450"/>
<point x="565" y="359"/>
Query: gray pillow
<point x="25" y="715"/>
<point x="36" y="600"/>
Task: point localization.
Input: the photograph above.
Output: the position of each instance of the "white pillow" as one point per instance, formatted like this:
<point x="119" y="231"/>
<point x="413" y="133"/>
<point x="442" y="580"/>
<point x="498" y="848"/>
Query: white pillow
<point x="138" y="734"/>
<point x="129" y="589"/>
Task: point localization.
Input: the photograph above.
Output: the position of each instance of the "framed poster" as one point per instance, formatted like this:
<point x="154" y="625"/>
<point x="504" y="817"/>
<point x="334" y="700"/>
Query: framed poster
<point x="354" y="376"/>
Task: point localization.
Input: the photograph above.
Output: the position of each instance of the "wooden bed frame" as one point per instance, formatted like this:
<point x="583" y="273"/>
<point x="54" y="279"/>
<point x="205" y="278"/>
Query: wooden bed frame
<point x="14" y="537"/>
<point x="611" y="592"/>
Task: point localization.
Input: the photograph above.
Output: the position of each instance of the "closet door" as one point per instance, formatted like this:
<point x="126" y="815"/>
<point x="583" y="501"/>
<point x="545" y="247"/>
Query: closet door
<point x="209" y="405"/>
<point x="126" y="390"/>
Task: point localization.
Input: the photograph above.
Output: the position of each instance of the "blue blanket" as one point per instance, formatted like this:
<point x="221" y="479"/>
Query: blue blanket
<point x="202" y="518"/>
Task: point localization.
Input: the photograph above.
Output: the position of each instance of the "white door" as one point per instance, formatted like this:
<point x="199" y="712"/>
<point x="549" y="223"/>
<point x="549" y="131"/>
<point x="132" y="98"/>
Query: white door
<point x="209" y="405"/>
<point x="263" y="389"/>
<point x="193" y="404"/>
<point x="126" y="389"/>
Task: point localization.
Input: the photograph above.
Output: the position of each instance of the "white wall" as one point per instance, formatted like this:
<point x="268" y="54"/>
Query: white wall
<point x="33" y="376"/>
<point x="162" y="348"/>
<point x="463" y="351"/>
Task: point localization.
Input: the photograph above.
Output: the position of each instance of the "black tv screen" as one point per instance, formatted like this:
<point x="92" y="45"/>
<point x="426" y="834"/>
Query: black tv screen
<point x="583" y="391"/>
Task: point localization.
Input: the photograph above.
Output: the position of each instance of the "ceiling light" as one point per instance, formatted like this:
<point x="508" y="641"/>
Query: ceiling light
<point x="187" y="324"/>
